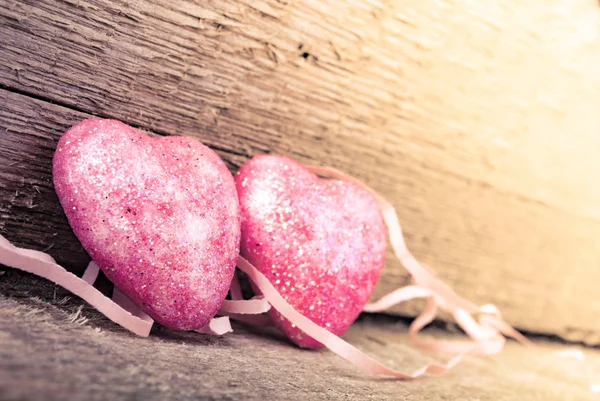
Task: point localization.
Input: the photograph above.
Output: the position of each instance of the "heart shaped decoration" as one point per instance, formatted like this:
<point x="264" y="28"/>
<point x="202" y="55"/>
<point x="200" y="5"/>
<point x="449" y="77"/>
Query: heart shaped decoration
<point x="320" y="242"/>
<point x="160" y="216"/>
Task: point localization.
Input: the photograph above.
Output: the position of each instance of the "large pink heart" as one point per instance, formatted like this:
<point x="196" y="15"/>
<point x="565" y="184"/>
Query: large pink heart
<point x="160" y="216"/>
<point x="320" y="242"/>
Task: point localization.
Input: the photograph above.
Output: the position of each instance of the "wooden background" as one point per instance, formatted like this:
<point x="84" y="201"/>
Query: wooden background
<point x="477" y="119"/>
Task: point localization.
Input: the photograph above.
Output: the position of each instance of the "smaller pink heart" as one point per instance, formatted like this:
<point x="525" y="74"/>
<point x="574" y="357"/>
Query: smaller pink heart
<point x="160" y="216"/>
<point x="320" y="242"/>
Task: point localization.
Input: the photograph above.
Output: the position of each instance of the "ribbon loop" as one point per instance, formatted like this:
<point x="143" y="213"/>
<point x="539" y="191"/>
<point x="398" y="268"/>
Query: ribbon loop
<point x="43" y="265"/>
<point x="325" y="337"/>
<point x="487" y="334"/>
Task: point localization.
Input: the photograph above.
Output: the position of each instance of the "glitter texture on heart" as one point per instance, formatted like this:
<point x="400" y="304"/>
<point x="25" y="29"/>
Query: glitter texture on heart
<point x="320" y="242"/>
<point x="160" y="216"/>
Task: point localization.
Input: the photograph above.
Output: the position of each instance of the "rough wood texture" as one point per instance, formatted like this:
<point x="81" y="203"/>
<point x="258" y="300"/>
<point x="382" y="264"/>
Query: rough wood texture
<point x="477" y="119"/>
<point x="57" y="349"/>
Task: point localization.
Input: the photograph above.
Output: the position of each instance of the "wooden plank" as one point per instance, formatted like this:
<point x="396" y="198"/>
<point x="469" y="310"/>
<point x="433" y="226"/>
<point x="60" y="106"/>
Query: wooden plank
<point x="30" y="214"/>
<point x="460" y="120"/>
<point x="53" y="348"/>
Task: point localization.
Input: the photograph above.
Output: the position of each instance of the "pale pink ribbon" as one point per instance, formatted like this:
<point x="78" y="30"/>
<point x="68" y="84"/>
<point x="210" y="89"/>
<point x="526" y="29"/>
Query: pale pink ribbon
<point x="325" y="337"/>
<point x="119" y="309"/>
<point x="43" y="265"/>
<point x="486" y="333"/>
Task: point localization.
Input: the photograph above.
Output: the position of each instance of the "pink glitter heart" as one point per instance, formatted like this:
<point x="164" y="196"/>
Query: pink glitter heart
<point x="160" y="216"/>
<point x="320" y="242"/>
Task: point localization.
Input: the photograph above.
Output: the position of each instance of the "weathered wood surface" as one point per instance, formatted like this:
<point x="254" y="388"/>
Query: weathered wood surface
<point x="50" y="349"/>
<point x="478" y="120"/>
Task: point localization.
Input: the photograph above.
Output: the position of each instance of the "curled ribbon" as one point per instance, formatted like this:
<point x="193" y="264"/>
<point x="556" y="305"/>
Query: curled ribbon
<point x="325" y="337"/>
<point x="43" y="265"/>
<point x="119" y="309"/>
<point x="487" y="333"/>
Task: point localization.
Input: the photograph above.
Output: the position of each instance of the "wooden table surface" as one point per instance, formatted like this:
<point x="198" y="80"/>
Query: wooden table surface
<point x="52" y="348"/>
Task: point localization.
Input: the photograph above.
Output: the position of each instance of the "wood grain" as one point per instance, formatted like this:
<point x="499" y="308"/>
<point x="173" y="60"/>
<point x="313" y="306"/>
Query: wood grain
<point x="478" y="120"/>
<point x="76" y="354"/>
